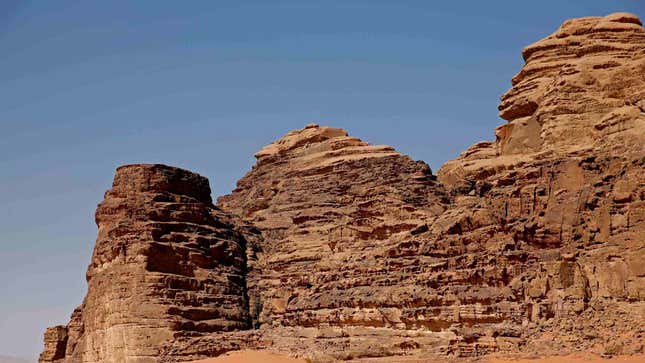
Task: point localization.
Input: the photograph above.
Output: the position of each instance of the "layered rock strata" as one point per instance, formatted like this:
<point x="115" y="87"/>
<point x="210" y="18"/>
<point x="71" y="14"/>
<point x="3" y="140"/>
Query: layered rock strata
<point x="332" y="248"/>
<point x="581" y="91"/>
<point x="338" y="271"/>
<point x="564" y="181"/>
<point x="167" y="264"/>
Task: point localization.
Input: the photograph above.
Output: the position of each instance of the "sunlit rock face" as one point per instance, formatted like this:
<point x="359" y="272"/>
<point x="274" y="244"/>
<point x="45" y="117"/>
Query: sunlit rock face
<point x="564" y="181"/>
<point x="332" y="248"/>
<point x="582" y="90"/>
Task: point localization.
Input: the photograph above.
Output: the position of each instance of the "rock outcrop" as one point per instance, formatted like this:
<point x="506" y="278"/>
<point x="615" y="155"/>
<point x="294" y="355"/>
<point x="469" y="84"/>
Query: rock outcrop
<point x="167" y="264"/>
<point x="338" y="270"/>
<point x="581" y="91"/>
<point x="564" y="182"/>
<point x="331" y="248"/>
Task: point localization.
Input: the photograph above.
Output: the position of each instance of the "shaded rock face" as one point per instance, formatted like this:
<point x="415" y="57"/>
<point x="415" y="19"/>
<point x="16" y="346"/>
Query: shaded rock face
<point x="332" y="248"/>
<point x="166" y="264"/>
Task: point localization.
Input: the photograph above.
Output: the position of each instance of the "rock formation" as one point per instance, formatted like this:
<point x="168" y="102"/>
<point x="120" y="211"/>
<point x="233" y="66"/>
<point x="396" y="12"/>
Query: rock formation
<point x="167" y="264"/>
<point x="331" y="248"/>
<point x="338" y="269"/>
<point x="564" y="181"/>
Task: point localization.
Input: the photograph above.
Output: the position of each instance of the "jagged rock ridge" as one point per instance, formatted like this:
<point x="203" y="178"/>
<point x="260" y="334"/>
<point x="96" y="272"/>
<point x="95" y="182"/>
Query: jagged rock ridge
<point x="332" y="248"/>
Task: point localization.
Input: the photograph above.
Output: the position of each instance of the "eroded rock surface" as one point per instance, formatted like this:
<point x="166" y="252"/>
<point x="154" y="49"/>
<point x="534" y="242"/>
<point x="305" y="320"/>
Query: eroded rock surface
<point x="581" y="91"/>
<point x="167" y="264"/>
<point x="564" y="183"/>
<point x="331" y="248"/>
<point x="339" y="269"/>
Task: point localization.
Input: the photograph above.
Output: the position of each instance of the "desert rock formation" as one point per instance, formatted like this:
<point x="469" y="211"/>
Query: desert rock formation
<point x="167" y="264"/>
<point x="564" y="181"/>
<point x="331" y="248"/>
<point x="338" y="268"/>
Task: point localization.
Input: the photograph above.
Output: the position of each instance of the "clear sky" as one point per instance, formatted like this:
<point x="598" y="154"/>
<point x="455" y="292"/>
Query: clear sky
<point x="90" y="85"/>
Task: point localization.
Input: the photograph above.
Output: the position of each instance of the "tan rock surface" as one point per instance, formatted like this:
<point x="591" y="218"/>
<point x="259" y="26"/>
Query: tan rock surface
<point x="331" y="248"/>
<point x="337" y="269"/>
<point x="265" y="357"/>
<point x="565" y="181"/>
<point x="582" y="89"/>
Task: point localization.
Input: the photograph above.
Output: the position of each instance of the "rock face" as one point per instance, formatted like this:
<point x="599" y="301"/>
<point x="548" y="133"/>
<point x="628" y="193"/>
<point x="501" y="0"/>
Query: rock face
<point x="331" y="248"/>
<point x="581" y="90"/>
<point x="564" y="182"/>
<point x="339" y="269"/>
<point x="167" y="264"/>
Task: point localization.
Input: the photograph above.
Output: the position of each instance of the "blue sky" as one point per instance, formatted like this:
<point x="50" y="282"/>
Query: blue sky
<point x="90" y="85"/>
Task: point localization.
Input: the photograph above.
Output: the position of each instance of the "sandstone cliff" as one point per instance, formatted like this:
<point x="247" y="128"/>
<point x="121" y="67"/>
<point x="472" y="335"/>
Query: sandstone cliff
<point x="338" y="269"/>
<point x="331" y="248"/>
<point x="167" y="263"/>
<point x="564" y="180"/>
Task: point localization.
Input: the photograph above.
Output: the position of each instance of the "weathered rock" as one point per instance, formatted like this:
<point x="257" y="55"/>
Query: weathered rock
<point x="55" y="344"/>
<point x="338" y="265"/>
<point x="581" y="90"/>
<point x="332" y="248"/>
<point x="167" y="264"/>
<point x="565" y="179"/>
